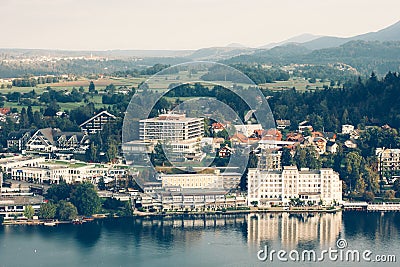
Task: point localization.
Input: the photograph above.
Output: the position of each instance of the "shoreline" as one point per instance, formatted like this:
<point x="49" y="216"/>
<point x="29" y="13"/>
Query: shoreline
<point x="250" y="211"/>
<point x="175" y="213"/>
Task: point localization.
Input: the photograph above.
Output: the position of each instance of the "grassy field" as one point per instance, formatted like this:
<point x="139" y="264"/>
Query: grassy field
<point x="298" y="83"/>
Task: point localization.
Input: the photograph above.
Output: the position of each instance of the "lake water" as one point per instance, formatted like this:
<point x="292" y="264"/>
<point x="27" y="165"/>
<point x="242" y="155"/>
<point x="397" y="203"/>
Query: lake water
<point x="201" y="240"/>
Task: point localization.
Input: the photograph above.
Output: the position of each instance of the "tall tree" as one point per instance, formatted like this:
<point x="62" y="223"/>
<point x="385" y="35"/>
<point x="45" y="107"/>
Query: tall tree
<point x="85" y="198"/>
<point x="92" y="88"/>
<point x="286" y="158"/>
<point x="47" y="211"/>
<point x="29" y="212"/>
<point x="66" y="211"/>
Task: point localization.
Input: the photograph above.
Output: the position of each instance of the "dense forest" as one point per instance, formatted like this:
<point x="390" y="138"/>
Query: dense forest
<point x="361" y="102"/>
<point x="364" y="56"/>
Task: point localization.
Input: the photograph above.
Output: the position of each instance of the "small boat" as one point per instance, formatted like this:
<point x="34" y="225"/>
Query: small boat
<point x="49" y="224"/>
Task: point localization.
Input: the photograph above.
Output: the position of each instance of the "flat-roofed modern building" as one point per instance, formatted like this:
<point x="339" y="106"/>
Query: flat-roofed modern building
<point x="279" y="187"/>
<point x="210" y="180"/>
<point x="171" y="127"/>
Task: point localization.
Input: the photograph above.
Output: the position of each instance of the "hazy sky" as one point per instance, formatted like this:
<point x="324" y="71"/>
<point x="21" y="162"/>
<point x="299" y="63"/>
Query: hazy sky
<point x="183" y="24"/>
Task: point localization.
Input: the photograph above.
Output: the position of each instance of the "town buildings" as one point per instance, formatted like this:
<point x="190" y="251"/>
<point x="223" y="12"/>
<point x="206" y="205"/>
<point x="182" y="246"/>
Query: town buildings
<point x="40" y="170"/>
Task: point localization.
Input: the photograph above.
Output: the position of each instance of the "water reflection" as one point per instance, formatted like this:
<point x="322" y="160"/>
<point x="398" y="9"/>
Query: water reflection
<point x="293" y="230"/>
<point x="372" y="225"/>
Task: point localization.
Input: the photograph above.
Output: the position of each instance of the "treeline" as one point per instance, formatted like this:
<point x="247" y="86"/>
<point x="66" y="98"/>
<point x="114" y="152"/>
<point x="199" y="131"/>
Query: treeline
<point x="359" y="102"/>
<point x="256" y="73"/>
<point x="148" y="71"/>
<point x="32" y="82"/>
<point x="61" y="96"/>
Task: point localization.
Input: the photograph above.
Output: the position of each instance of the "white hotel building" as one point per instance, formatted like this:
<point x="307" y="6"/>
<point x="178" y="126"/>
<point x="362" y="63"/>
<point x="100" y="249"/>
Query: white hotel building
<point x="279" y="187"/>
<point x="171" y="127"/>
<point x="176" y="131"/>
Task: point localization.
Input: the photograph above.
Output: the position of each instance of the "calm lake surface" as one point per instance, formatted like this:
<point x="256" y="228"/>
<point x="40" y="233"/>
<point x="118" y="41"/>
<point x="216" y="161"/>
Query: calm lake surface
<point x="200" y="240"/>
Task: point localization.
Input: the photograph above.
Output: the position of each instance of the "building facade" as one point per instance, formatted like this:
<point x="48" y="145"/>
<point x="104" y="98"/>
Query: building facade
<point x="281" y="187"/>
<point x="215" y="180"/>
<point x="388" y="161"/>
<point x="97" y="122"/>
<point x="17" y="140"/>
<point x="180" y="136"/>
<point x="171" y="127"/>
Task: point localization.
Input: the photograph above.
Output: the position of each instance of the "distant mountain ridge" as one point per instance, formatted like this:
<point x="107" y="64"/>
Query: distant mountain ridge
<point x="302" y="38"/>
<point x="391" y="33"/>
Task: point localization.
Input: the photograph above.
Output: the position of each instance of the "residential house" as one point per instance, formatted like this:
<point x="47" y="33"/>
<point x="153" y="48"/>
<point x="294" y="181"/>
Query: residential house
<point x="330" y="136"/>
<point x="350" y="143"/>
<point x="247" y="129"/>
<point x="347" y="128"/>
<point x="225" y="152"/>
<point x="331" y="147"/>
<point x="319" y="143"/>
<point x="97" y="122"/>
<point x="282" y="124"/>
<point x="217" y="127"/>
<point x="271" y="134"/>
<point x="295" y="137"/>
<point x="305" y="125"/>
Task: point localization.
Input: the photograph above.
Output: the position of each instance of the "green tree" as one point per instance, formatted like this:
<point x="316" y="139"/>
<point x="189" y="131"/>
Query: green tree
<point x="360" y="185"/>
<point x="66" y="211"/>
<point x="85" y="198"/>
<point x="286" y="158"/>
<point x="300" y="157"/>
<point x="29" y="212"/>
<point x="101" y="184"/>
<point x="92" y="88"/>
<point x="59" y="192"/>
<point x="352" y="169"/>
<point x="253" y="161"/>
<point x="112" y="150"/>
<point x="47" y="211"/>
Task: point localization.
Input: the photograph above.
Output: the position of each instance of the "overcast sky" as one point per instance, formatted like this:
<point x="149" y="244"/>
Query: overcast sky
<point x="183" y="24"/>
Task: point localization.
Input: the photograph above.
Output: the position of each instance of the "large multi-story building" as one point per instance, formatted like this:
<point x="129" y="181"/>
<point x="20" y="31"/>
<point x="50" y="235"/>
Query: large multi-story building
<point x="96" y="123"/>
<point x="53" y="172"/>
<point x="181" y="136"/>
<point x="211" y="180"/>
<point x="171" y="127"/>
<point x="280" y="187"/>
<point x="388" y="161"/>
